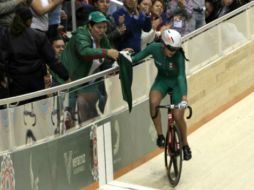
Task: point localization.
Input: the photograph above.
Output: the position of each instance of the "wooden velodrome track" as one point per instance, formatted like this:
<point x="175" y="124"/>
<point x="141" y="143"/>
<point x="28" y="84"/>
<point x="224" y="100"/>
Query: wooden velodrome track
<point x="223" y="156"/>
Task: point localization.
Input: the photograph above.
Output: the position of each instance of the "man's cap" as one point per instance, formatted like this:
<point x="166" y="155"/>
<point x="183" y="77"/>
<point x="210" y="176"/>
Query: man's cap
<point x="97" y="17"/>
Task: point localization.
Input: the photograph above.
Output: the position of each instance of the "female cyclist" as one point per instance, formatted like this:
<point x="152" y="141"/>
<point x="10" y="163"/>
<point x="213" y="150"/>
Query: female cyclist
<point x="169" y="59"/>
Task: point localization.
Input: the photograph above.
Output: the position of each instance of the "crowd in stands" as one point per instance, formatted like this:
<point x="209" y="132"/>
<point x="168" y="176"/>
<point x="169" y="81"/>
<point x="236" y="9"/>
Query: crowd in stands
<point x="36" y="53"/>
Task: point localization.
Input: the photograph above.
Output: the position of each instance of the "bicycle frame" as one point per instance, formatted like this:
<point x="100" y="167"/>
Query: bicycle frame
<point x="170" y="131"/>
<point x="173" y="146"/>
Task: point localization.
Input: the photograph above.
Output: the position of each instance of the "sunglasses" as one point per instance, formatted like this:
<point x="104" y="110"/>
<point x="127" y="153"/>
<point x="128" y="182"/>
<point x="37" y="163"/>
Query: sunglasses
<point x="170" y="48"/>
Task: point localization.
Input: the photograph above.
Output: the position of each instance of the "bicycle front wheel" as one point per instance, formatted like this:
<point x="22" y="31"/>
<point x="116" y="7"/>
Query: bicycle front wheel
<point x="173" y="155"/>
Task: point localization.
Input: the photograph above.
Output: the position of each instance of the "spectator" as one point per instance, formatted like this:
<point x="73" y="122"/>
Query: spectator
<point x="238" y="3"/>
<point x="224" y="7"/>
<point x="87" y="52"/>
<point x="135" y="22"/>
<point x="158" y="22"/>
<point x="7" y="8"/>
<point x="145" y="6"/>
<point x="58" y="45"/>
<point x="55" y="17"/>
<point x="51" y="79"/>
<point x="40" y="22"/>
<point x="198" y="16"/>
<point x="82" y="12"/>
<point x="157" y="10"/>
<point x="26" y="65"/>
<point x="179" y="13"/>
<point x="114" y="32"/>
<point x="40" y="10"/>
<point x="114" y="6"/>
<point x="210" y="10"/>
<point x="83" y="8"/>
<point x="146" y="37"/>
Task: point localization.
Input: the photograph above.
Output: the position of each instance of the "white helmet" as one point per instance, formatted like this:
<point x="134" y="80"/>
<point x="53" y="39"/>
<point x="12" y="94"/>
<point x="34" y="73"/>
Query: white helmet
<point x="171" y="38"/>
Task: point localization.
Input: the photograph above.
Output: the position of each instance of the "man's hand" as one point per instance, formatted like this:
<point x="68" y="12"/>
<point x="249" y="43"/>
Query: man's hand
<point x="121" y="29"/>
<point x="113" y="53"/>
<point x="121" y="20"/>
<point x="47" y="81"/>
<point x="63" y="15"/>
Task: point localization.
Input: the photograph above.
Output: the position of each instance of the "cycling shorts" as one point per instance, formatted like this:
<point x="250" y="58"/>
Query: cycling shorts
<point x="164" y="85"/>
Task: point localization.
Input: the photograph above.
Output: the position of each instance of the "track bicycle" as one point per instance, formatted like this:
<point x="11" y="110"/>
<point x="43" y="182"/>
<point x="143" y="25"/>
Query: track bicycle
<point x="173" y="153"/>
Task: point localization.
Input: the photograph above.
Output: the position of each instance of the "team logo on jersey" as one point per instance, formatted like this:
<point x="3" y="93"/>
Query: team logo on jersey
<point x="93" y="138"/>
<point x="7" y="173"/>
<point x="172" y="65"/>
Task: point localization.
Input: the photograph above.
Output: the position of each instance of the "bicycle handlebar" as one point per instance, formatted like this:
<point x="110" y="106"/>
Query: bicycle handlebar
<point x="172" y="106"/>
<point x="190" y="112"/>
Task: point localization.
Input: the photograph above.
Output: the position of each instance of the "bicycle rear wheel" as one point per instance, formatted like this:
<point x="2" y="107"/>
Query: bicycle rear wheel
<point x="173" y="155"/>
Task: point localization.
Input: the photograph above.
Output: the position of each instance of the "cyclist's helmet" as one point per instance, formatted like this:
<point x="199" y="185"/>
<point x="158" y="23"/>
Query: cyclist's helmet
<point x="171" y="38"/>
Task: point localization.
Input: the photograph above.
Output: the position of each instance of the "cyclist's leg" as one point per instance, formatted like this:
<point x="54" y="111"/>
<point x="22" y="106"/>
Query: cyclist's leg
<point x="179" y="114"/>
<point x="158" y="91"/>
<point x="181" y="123"/>
<point x="155" y="98"/>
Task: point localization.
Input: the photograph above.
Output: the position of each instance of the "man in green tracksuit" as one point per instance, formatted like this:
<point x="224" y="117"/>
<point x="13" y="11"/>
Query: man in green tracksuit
<point x="87" y="52"/>
<point x="170" y="61"/>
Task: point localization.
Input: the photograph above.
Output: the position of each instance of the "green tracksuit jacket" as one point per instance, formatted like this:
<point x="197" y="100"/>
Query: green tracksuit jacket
<point x="79" y="53"/>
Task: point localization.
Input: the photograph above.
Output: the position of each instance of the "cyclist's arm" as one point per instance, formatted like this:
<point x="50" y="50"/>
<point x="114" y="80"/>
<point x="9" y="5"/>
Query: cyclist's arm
<point x="182" y="82"/>
<point x="142" y="54"/>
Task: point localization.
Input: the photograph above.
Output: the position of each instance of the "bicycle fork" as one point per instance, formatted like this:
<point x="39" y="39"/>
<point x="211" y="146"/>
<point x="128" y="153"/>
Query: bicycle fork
<point x="174" y="145"/>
